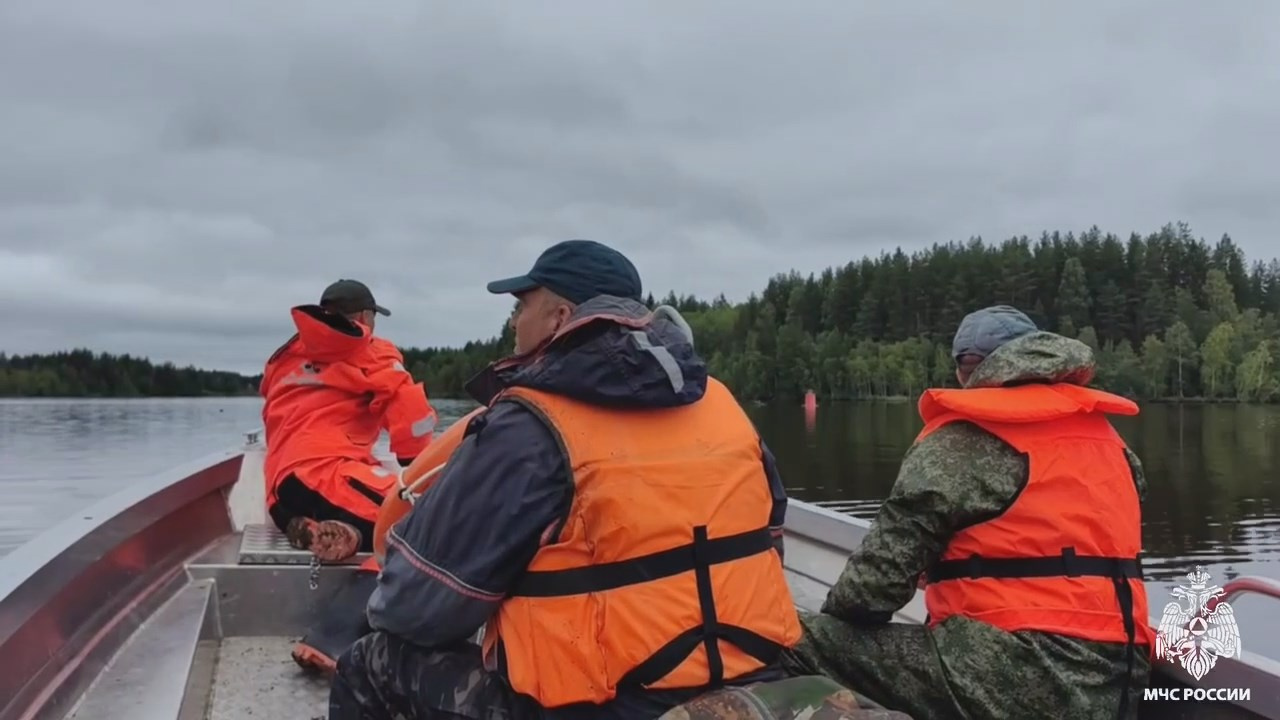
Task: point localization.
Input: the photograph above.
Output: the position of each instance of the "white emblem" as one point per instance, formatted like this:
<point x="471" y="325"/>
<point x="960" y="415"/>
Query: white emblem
<point x="1196" y="636"/>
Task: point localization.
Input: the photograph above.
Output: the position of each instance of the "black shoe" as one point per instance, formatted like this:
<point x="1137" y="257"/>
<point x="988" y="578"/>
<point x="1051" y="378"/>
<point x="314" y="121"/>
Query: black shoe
<point x="341" y="623"/>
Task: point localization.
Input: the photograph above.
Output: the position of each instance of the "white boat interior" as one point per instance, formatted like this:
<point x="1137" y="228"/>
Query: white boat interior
<point x="176" y="598"/>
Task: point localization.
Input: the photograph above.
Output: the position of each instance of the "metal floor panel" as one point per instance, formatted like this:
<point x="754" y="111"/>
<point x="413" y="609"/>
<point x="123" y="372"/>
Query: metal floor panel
<point x="257" y="680"/>
<point x="264" y="544"/>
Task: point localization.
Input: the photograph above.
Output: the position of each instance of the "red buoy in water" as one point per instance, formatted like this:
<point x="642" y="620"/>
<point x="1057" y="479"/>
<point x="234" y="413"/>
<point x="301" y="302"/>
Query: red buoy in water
<point x="810" y="400"/>
<point x="810" y="410"/>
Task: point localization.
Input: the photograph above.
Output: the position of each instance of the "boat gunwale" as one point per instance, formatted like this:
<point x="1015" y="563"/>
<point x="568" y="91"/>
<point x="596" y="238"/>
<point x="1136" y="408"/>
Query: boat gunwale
<point x="166" y="491"/>
<point x="73" y="593"/>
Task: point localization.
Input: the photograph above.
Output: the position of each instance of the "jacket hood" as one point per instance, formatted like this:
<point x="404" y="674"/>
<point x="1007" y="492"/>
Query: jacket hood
<point x="1038" y="357"/>
<point x="326" y="336"/>
<point x="613" y="352"/>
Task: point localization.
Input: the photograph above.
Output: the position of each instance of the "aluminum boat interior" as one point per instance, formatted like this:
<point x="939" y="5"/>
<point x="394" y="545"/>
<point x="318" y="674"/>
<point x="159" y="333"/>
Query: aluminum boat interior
<point x="176" y="598"/>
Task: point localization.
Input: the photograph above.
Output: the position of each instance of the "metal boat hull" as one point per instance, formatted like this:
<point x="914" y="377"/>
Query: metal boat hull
<point x="175" y="599"/>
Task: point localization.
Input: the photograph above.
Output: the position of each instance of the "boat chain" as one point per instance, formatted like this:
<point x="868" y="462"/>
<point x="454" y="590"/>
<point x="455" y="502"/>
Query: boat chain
<point x="313" y="581"/>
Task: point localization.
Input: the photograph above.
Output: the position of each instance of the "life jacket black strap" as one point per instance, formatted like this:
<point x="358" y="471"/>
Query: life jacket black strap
<point x="697" y="556"/>
<point x="668" y="657"/>
<point x="1117" y="569"/>
<point x="1124" y="594"/>
<point x="702" y="552"/>
<point x="1068" y="564"/>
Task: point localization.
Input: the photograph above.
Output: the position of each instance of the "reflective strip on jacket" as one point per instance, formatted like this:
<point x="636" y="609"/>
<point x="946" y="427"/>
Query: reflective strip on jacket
<point x="666" y="548"/>
<point x="330" y="391"/>
<point x="1064" y="557"/>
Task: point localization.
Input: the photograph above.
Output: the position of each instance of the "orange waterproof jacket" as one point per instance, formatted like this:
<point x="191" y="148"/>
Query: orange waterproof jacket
<point x="1064" y="557"/>
<point x="665" y="573"/>
<point x="330" y="391"/>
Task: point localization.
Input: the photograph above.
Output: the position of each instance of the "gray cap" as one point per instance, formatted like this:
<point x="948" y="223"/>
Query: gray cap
<point x="982" y="331"/>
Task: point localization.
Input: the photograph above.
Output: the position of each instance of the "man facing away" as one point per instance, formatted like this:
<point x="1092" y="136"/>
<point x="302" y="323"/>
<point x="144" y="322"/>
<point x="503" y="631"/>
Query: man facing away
<point x="612" y="522"/>
<point x="330" y="390"/>
<point x="1021" y="505"/>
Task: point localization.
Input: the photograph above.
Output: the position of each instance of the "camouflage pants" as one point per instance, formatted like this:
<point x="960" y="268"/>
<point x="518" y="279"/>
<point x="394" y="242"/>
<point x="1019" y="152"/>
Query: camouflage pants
<point x="895" y="665"/>
<point x="806" y="697"/>
<point x="381" y="677"/>
<point x="967" y="669"/>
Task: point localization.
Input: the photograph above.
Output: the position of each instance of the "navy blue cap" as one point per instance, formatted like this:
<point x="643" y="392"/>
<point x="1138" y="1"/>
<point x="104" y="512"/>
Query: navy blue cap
<point x="982" y="331"/>
<point x="577" y="270"/>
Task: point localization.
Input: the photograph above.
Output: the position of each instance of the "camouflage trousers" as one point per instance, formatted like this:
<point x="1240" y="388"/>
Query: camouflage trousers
<point x="968" y="670"/>
<point x="382" y="677"/>
<point x="807" y="697"/>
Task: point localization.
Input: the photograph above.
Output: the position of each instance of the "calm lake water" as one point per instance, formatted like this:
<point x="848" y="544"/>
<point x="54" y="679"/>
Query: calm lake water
<point x="1214" y="495"/>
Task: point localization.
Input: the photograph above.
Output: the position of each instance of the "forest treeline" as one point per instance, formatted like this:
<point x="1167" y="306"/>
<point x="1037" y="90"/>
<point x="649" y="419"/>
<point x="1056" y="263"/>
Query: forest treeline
<point x="1169" y="315"/>
<point x="83" y="373"/>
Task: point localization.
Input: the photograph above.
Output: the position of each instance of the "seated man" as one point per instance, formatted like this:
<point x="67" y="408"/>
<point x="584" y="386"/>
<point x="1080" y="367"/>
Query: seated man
<point x="1021" y="504"/>
<point x="612" y="521"/>
<point x="330" y="390"/>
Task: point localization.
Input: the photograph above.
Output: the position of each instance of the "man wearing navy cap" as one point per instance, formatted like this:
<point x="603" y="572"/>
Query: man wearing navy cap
<point x="1018" y="511"/>
<point x="612" y="522"/>
<point x="567" y="274"/>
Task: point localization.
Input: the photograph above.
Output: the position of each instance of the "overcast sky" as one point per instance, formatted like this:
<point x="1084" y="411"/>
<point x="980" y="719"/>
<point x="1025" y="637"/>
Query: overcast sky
<point x="175" y="175"/>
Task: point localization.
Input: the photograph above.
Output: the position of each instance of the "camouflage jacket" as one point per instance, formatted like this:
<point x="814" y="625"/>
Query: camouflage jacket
<point x="958" y="476"/>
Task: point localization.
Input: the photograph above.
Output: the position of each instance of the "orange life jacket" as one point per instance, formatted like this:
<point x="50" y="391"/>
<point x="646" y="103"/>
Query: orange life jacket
<point x="665" y="573"/>
<point x="329" y="392"/>
<point x="1064" y="557"/>
<point x="418" y="478"/>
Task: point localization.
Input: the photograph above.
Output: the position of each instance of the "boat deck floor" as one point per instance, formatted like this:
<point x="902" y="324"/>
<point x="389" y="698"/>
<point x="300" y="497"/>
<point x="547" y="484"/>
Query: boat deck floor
<point x="217" y="646"/>
<point x="255" y="678"/>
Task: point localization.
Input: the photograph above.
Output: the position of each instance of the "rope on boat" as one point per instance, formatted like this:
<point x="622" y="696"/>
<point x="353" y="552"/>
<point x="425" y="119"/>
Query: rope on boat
<point x="411" y="493"/>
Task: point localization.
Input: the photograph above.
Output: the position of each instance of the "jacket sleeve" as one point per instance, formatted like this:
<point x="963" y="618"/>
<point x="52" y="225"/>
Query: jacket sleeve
<point x="778" y="514"/>
<point x="955" y="477"/>
<point x="1139" y="475"/>
<point x="402" y="404"/>
<point x="452" y="560"/>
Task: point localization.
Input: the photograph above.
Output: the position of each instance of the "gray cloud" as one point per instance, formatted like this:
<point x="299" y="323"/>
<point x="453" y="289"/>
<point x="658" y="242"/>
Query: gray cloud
<point x="173" y="177"/>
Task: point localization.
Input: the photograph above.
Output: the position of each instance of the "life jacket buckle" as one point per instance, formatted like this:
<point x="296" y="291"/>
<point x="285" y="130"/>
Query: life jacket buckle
<point x="975" y="566"/>
<point x="1069" y="565"/>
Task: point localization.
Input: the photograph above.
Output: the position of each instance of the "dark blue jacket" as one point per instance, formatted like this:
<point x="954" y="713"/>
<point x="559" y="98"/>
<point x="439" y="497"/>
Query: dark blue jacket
<point x="507" y="488"/>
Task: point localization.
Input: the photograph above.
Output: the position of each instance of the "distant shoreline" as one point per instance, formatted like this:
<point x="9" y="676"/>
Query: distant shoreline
<point x="1169" y="319"/>
<point x="779" y="401"/>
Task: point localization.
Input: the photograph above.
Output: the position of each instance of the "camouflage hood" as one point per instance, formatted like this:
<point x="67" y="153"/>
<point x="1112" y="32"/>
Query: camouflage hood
<point x="1037" y="357"/>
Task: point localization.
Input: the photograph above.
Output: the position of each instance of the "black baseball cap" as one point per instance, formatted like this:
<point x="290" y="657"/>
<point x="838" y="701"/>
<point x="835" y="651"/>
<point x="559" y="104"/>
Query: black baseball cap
<point x="577" y="270"/>
<point x="349" y="296"/>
